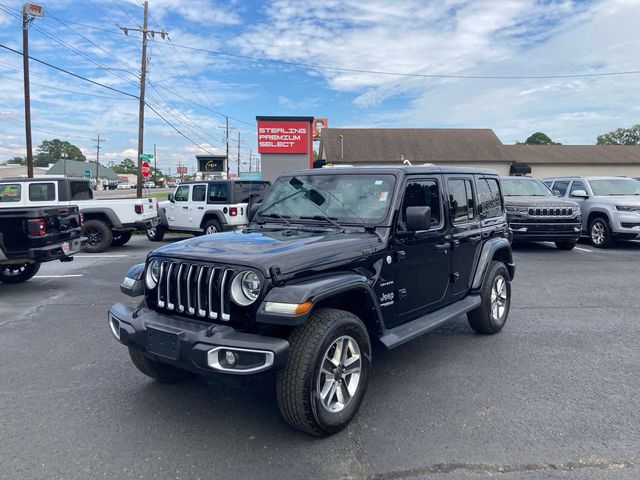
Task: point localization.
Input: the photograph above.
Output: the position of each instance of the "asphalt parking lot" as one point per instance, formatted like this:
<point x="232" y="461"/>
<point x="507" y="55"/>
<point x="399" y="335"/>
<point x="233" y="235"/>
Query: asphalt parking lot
<point x="555" y="395"/>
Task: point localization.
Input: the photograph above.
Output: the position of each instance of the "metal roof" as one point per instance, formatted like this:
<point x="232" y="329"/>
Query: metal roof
<point x="77" y="169"/>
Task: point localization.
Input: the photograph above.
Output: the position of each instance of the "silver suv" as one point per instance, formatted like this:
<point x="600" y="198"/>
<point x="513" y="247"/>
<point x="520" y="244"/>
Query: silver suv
<point x="610" y="206"/>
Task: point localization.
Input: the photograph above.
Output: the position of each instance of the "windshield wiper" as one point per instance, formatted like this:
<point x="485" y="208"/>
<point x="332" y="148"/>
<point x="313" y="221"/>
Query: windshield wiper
<point x="277" y="215"/>
<point x="331" y="220"/>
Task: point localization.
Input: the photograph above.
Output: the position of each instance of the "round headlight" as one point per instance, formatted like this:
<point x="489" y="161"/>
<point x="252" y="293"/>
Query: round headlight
<point x="245" y="288"/>
<point x="152" y="275"/>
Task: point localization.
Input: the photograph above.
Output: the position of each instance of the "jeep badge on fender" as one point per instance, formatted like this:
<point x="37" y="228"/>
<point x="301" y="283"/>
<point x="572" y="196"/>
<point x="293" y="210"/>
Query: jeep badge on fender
<point x="332" y="260"/>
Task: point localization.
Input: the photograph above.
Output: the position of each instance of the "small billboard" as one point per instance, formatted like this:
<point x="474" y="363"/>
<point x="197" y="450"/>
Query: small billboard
<point x="318" y="125"/>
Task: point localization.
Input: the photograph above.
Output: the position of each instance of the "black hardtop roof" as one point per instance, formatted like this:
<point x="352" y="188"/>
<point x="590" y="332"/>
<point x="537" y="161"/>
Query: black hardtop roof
<point x="393" y="169"/>
<point x="237" y="180"/>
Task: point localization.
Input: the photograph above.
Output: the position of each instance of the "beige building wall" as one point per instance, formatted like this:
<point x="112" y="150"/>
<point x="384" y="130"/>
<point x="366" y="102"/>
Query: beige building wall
<point x="563" y="170"/>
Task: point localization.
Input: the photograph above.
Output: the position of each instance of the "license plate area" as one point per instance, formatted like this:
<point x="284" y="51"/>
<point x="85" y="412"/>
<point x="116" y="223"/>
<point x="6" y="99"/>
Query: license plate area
<point x="163" y="343"/>
<point x="66" y="248"/>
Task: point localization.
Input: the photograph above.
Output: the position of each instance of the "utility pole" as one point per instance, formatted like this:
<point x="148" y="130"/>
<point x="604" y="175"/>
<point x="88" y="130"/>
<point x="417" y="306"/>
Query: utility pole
<point x="155" y="166"/>
<point x="238" y="154"/>
<point x="98" y="140"/>
<point x="227" y="143"/>
<point x="143" y="81"/>
<point x="29" y="12"/>
<point x="250" y="155"/>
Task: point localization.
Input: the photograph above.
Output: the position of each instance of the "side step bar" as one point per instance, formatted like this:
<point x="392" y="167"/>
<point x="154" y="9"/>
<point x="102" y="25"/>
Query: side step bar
<point x="403" y="333"/>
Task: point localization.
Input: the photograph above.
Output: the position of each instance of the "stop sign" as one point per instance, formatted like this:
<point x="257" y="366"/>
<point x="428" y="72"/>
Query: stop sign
<point x="145" y="170"/>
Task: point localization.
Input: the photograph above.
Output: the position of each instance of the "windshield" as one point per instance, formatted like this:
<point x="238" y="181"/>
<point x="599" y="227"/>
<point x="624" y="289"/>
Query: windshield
<point x="520" y="187"/>
<point x="615" y="186"/>
<point x="359" y="199"/>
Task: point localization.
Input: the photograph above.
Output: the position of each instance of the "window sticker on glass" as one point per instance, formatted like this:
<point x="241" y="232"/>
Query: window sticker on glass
<point x="383" y="196"/>
<point x="378" y="182"/>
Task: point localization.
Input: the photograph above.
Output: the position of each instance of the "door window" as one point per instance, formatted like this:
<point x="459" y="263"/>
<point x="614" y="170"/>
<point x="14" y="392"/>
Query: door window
<point x="561" y="187"/>
<point x="199" y="193"/>
<point x="489" y="198"/>
<point x="422" y="193"/>
<point x="10" y="192"/>
<point x="460" y="200"/>
<point x="42" y="192"/>
<point x="577" y="185"/>
<point x="182" y="194"/>
<point x="217" y="193"/>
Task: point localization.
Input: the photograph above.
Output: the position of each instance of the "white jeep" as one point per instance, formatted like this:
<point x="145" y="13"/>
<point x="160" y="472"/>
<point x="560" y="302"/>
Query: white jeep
<point x="207" y="207"/>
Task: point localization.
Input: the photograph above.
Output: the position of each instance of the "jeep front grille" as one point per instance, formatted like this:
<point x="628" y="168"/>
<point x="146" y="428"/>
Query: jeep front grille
<point x="550" y="212"/>
<point x="194" y="289"/>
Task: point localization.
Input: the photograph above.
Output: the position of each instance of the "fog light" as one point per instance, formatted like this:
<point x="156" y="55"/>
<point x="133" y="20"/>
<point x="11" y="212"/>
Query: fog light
<point x="230" y="357"/>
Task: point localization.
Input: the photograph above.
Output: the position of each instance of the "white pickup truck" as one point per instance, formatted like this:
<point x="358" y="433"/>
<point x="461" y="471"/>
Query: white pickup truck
<point x="106" y="222"/>
<point x="208" y="207"/>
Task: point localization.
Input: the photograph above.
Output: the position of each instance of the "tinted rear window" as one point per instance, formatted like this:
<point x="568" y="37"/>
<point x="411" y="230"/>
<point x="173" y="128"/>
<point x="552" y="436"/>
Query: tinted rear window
<point x="245" y="191"/>
<point x="217" y="192"/>
<point x="81" y="190"/>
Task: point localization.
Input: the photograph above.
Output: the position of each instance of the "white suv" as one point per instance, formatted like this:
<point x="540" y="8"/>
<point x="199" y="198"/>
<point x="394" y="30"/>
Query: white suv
<point x="208" y="207"/>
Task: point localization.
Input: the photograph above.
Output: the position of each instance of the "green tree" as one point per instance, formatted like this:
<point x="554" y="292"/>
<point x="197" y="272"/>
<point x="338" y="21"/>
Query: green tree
<point x="50" y="151"/>
<point x="540" y="138"/>
<point x="17" y="161"/>
<point x="621" y="136"/>
<point x="126" y="166"/>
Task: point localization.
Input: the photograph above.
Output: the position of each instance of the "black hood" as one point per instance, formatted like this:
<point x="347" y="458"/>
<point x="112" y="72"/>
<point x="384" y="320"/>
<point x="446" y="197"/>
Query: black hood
<point x="533" y="201"/>
<point x="290" y="250"/>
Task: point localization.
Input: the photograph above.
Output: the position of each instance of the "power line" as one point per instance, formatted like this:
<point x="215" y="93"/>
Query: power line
<point x="75" y="92"/>
<point x="70" y="73"/>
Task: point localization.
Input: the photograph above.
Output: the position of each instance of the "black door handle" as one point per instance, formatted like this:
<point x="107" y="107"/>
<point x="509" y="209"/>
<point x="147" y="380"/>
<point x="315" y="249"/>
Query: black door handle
<point x="443" y="246"/>
<point x="200" y="208"/>
<point x="185" y="208"/>
<point x="475" y="238"/>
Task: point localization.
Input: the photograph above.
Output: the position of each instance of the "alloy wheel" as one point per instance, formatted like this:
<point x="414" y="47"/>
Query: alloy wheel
<point x="598" y="233"/>
<point x="339" y="376"/>
<point x="498" y="297"/>
<point x="211" y="229"/>
<point x="13" y="271"/>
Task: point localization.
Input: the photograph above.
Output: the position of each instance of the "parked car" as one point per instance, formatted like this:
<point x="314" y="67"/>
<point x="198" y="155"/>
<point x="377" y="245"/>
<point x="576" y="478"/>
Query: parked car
<point x="610" y="206"/>
<point x="30" y="236"/>
<point x="106" y="222"/>
<point x="149" y="185"/>
<point x="207" y="207"/>
<point x="123" y="186"/>
<point x="333" y="259"/>
<point x="536" y="214"/>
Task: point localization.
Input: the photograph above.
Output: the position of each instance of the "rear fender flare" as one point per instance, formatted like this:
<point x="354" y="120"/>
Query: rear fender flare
<point x="493" y="247"/>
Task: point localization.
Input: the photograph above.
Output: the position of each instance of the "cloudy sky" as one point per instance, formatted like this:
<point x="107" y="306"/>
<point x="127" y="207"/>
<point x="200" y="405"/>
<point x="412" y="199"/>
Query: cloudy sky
<point x="244" y="61"/>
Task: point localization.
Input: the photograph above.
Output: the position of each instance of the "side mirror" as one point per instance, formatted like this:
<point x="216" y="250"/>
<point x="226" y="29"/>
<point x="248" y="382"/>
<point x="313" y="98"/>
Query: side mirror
<point x="253" y="209"/>
<point x="579" y="194"/>
<point x="170" y="198"/>
<point x="418" y="218"/>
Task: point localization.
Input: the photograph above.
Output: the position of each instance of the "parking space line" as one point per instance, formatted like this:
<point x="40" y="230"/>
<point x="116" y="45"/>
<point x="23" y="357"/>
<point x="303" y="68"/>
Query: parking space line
<point x="583" y="249"/>
<point x="99" y="256"/>
<point x="60" y="276"/>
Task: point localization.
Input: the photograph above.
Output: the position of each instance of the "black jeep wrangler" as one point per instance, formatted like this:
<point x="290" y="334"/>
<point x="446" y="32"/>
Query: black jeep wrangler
<point x="332" y="259"/>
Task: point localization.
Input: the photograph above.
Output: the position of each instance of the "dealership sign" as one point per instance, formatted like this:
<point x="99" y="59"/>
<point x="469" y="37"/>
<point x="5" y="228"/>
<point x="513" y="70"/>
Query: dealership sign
<point x="283" y="137"/>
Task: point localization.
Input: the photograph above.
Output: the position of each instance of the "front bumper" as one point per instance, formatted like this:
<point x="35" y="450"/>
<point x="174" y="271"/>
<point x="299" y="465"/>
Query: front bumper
<point x="627" y="223"/>
<point x="195" y="346"/>
<point x="545" y="231"/>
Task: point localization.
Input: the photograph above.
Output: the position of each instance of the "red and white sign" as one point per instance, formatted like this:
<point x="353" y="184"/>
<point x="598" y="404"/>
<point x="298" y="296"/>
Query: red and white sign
<point x="181" y="170"/>
<point x="33" y="9"/>
<point x="145" y="170"/>
<point x="283" y="137"/>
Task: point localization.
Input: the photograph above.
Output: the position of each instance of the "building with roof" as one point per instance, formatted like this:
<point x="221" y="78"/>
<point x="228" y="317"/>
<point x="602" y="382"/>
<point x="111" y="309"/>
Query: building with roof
<point x="74" y="168"/>
<point x="478" y="147"/>
<point x="13" y="170"/>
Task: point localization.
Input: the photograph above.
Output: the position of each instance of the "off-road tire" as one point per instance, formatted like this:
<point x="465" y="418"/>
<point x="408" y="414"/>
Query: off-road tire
<point x="18" y="273"/>
<point x="481" y="318"/>
<point x="602" y="225"/>
<point x="297" y="382"/>
<point x="155" y="234"/>
<point x="121" y="238"/>
<point x="99" y="236"/>
<point x="565" y="245"/>
<point x="211" y="224"/>
<point x="161" y="372"/>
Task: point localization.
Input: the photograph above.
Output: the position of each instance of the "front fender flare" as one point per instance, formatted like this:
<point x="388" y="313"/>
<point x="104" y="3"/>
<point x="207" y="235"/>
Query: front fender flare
<point x="489" y="250"/>
<point x="315" y="290"/>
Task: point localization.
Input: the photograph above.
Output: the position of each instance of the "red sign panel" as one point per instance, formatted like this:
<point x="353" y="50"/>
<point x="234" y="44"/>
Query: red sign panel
<point x="145" y="170"/>
<point x="181" y="170"/>
<point x="283" y="137"/>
